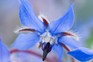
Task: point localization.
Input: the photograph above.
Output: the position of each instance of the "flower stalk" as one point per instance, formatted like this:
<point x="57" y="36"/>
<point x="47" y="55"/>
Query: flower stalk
<point x="33" y="53"/>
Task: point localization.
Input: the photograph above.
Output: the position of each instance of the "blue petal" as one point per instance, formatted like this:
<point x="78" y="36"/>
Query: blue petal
<point x="26" y="41"/>
<point x="4" y="53"/>
<point x="82" y="54"/>
<point x="28" y="18"/>
<point x="70" y="42"/>
<point x="62" y="24"/>
<point x="58" y="49"/>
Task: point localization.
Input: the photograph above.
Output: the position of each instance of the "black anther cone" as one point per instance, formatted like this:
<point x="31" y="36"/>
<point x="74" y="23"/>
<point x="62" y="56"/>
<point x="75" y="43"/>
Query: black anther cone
<point x="46" y="50"/>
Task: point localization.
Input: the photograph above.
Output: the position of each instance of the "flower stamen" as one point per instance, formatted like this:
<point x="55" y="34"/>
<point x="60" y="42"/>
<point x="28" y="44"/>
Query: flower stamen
<point x="27" y="29"/>
<point x="45" y="21"/>
<point x="24" y="29"/>
<point x="67" y="34"/>
<point x="70" y="34"/>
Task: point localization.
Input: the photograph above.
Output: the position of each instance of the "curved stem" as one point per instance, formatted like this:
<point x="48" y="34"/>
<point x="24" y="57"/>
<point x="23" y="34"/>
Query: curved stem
<point x="72" y="59"/>
<point x="32" y="53"/>
<point x="65" y="47"/>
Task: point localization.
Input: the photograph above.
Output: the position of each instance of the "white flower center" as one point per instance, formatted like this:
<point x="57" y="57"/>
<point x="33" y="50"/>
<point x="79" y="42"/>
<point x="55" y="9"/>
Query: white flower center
<point x="47" y="37"/>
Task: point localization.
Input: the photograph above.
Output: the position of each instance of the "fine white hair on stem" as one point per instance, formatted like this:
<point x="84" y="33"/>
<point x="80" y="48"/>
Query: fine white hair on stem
<point x="42" y="16"/>
<point x="20" y="28"/>
<point x="75" y="36"/>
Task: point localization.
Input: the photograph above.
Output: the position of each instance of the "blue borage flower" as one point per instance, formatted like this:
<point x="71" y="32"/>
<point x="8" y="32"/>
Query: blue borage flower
<point x="50" y="36"/>
<point x="4" y="53"/>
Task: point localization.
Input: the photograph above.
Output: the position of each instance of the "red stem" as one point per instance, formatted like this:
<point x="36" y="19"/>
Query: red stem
<point x="72" y="59"/>
<point x="65" y="47"/>
<point x="32" y="53"/>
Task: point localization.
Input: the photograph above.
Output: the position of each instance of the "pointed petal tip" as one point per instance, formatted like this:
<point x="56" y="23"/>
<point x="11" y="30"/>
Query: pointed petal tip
<point x="82" y="54"/>
<point x="64" y="23"/>
<point x="29" y="18"/>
